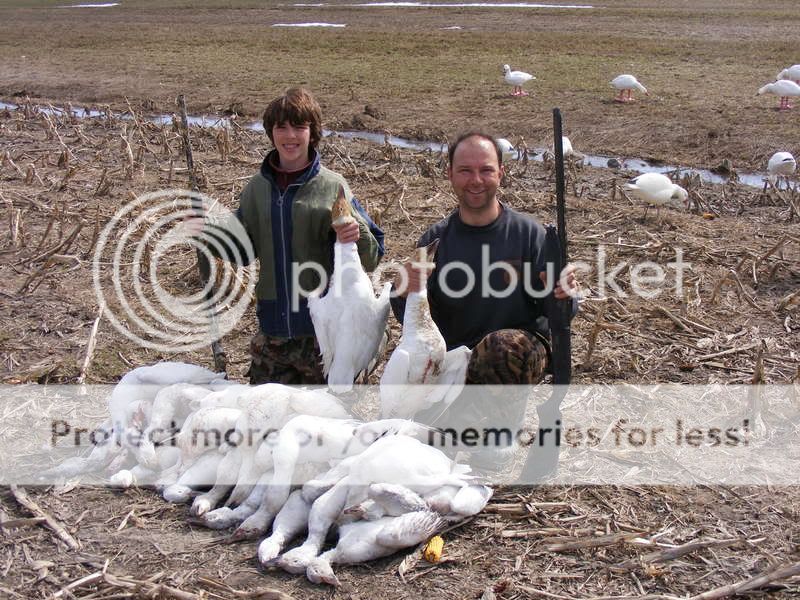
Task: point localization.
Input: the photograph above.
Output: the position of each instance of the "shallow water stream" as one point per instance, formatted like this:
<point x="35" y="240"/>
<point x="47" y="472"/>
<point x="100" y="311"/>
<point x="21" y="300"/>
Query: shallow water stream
<point x="755" y="180"/>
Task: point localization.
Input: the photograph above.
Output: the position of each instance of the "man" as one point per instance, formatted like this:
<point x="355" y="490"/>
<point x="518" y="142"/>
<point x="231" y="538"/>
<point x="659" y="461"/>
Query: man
<point x="487" y="288"/>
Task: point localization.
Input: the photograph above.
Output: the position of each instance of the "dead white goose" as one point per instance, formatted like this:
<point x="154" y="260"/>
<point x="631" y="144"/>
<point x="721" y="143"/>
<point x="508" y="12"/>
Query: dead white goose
<point x="308" y="439"/>
<point x="422" y="469"/>
<point x="227" y="472"/>
<point x="202" y="472"/>
<point x="362" y="541"/>
<point x="164" y="457"/>
<point x="290" y="522"/>
<point x="225" y="517"/>
<point x="268" y="408"/>
<point x="171" y="406"/>
<point x="416" y="362"/>
<point x="349" y="321"/>
<point x="129" y="407"/>
<point x="387" y="500"/>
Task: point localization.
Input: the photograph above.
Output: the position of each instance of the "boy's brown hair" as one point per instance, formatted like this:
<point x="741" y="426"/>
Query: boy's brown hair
<point x="298" y="107"/>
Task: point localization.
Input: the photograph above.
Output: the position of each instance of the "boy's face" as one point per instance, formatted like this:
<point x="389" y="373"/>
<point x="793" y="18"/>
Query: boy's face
<point x="291" y="142"/>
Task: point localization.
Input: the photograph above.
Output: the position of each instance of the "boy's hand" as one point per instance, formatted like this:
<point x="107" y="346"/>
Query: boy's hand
<point x="192" y="226"/>
<point x="347" y="232"/>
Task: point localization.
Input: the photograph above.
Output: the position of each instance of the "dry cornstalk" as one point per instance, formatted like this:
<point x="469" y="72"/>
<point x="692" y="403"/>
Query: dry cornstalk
<point x="668" y="554"/>
<point x="224" y="144"/>
<point x="7" y="161"/>
<point x="67" y="176"/>
<point x="789" y="302"/>
<point x="593" y="541"/>
<point x="127" y="152"/>
<point x="599" y="325"/>
<point x="259" y="594"/>
<point x="21" y="496"/>
<point x="753" y="583"/>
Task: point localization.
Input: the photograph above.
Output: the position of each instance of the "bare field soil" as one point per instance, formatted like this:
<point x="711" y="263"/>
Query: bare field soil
<point x="735" y="319"/>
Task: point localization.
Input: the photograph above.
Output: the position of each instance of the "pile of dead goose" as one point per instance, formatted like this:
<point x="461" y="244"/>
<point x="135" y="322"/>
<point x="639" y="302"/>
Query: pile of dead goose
<point x="274" y="461"/>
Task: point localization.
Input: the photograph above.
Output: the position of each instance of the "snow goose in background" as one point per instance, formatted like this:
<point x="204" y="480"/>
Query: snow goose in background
<point x="783" y="88"/>
<point x="626" y="84"/>
<point x="349" y="321"/>
<point x="657" y="190"/>
<point x="506" y="148"/>
<point x="361" y="541"/>
<point x="517" y="79"/>
<point x="792" y="73"/>
<point x="781" y="165"/>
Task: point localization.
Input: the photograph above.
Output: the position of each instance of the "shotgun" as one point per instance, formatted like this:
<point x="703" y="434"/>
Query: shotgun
<point x="203" y="266"/>
<point x="543" y="453"/>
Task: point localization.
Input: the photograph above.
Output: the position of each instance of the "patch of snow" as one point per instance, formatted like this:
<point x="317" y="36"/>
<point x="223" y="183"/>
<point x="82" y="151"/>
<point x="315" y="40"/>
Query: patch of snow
<point x="309" y="25"/>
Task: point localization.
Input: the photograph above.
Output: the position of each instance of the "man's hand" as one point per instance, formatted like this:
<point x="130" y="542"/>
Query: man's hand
<point x="412" y="277"/>
<point x="347" y="232"/>
<point x="567" y="285"/>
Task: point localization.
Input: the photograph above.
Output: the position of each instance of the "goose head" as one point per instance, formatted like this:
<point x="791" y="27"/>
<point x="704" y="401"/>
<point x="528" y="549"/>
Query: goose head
<point x="319" y="571"/>
<point x="340" y="211"/>
<point x="680" y="195"/>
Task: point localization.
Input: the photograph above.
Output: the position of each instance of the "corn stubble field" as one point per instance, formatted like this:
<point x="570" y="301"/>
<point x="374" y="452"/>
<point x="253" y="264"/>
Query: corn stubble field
<point x="736" y="321"/>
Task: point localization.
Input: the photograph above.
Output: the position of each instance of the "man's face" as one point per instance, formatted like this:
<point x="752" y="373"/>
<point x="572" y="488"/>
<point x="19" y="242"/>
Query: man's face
<point x="475" y="174"/>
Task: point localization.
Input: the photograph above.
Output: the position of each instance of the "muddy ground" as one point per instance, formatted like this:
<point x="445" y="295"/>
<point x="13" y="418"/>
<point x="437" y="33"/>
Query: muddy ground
<point x="62" y="180"/>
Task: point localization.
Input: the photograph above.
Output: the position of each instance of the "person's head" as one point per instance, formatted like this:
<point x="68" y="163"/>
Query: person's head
<point x="475" y="171"/>
<point x="451" y="149"/>
<point x="295" y="107"/>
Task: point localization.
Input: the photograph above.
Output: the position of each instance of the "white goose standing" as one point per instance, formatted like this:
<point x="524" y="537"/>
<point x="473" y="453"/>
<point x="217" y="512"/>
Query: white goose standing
<point x="657" y="190"/>
<point x="517" y="79"/>
<point x="783" y="88"/>
<point x="781" y="165"/>
<point x="349" y="321"/>
<point x="627" y="83"/>
<point x="792" y="73"/>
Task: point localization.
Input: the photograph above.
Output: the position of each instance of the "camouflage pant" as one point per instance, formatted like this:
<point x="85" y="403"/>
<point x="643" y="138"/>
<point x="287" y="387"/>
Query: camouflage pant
<point x="508" y="357"/>
<point x="294" y="361"/>
<point x="291" y="361"/>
